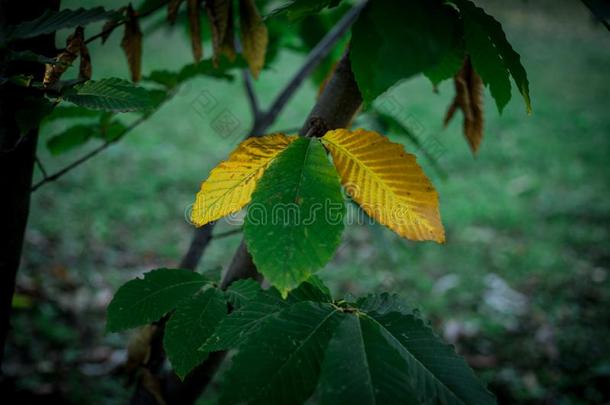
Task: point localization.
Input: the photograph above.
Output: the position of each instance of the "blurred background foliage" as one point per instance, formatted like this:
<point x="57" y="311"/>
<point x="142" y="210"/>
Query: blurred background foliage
<point x="521" y="287"/>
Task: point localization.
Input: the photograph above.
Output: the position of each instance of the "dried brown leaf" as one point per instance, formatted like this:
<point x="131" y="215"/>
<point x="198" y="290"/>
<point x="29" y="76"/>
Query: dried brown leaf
<point x="132" y="44"/>
<point x="220" y="15"/>
<point x="65" y="59"/>
<point x="193" y="10"/>
<point x="254" y="36"/>
<point x="152" y="384"/>
<point x="85" y="68"/>
<point x="227" y="47"/>
<point x="172" y="10"/>
<point x="138" y="348"/>
<point x="468" y="99"/>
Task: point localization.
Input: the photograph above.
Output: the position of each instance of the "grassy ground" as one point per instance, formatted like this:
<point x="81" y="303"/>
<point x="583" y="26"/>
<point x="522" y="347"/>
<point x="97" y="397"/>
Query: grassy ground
<point x="521" y="286"/>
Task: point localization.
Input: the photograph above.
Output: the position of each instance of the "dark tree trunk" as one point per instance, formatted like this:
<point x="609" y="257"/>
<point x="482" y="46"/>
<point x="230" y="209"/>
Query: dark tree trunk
<point x="17" y="154"/>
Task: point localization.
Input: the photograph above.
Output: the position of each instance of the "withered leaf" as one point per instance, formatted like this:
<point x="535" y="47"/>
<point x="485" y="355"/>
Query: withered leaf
<point x="64" y="60"/>
<point x="468" y="98"/>
<point x="227" y="47"/>
<point x="254" y="36"/>
<point x="132" y="44"/>
<point x="85" y="68"/>
<point x="221" y="22"/>
<point x="193" y="10"/>
<point x="172" y="10"/>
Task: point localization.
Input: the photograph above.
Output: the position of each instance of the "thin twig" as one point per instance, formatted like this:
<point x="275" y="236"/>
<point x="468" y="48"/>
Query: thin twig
<point x="41" y="167"/>
<point x="251" y="93"/>
<point x="146" y="13"/>
<point x="597" y="13"/>
<point x="86" y="157"/>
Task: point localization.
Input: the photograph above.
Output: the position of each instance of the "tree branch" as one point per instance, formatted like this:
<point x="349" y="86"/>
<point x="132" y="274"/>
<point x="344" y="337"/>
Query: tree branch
<point x="251" y="93"/>
<point x="144" y="13"/>
<point x="319" y="52"/>
<point x="597" y="13"/>
<point x="41" y="168"/>
<point x="343" y="102"/>
<point x="227" y="233"/>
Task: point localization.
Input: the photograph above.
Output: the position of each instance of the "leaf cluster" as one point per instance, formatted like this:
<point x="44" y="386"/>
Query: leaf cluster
<point x="370" y="350"/>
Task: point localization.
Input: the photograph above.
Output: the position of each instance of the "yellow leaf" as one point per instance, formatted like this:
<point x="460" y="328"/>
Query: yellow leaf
<point x="387" y="182"/>
<point x="254" y="36"/>
<point x="230" y="184"/>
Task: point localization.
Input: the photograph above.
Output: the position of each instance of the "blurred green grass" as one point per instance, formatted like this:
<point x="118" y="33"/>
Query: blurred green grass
<point x="531" y="209"/>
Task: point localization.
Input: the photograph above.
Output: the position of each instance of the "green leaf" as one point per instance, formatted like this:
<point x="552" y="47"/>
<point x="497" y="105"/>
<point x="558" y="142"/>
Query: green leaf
<point x="486" y="61"/>
<point x="165" y="78"/>
<point x="80" y="134"/>
<point x="110" y="131"/>
<point x="430" y="368"/>
<point x="241" y="324"/>
<point x="281" y="363"/>
<point x="206" y="67"/>
<point x="110" y="94"/>
<point x="20" y="80"/>
<point x="242" y="291"/>
<point x="29" y="56"/>
<point x="190" y="325"/>
<point x="147" y="6"/>
<point x="312" y="29"/>
<point x="313" y="289"/>
<point x="141" y="301"/>
<point x="70" y="138"/>
<point x="297" y="9"/>
<point x="376" y="352"/>
<point x="67" y="112"/>
<point x="449" y="65"/>
<point x="392" y="43"/>
<point x="361" y="367"/>
<point x="492" y="55"/>
<point x="381" y="304"/>
<point x="295" y="219"/>
<point x="52" y="21"/>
